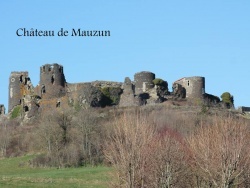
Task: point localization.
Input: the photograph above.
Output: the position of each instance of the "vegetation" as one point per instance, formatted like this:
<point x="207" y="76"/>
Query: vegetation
<point x="148" y="154"/>
<point x="16" y="172"/>
<point x="151" y="146"/>
<point x="162" y="86"/>
<point x="111" y="95"/>
<point x="16" y="112"/>
<point x="69" y="141"/>
<point x="227" y="99"/>
<point x="159" y="82"/>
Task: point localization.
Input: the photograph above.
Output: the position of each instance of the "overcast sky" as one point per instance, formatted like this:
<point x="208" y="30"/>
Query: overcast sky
<point x="173" y="39"/>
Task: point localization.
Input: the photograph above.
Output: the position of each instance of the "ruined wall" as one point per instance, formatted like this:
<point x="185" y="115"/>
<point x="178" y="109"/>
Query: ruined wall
<point x="143" y="81"/>
<point x="128" y="87"/>
<point x="52" y="81"/>
<point x="244" y="109"/>
<point x="102" y="84"/>
<point x="211" y="99"/>
<point x="194" y="86"/>
<point x="128" y="95"/>
<point x="53" y="104"/>
<point x="84" y="94"/>
<point x="18" y="85"/>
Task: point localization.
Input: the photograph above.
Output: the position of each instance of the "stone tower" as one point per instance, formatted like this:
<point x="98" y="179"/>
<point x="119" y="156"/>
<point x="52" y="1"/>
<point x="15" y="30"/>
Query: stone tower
<point x="194" y="86"/>
<point x="17" y="88"/>
<point x="143" y="81"/>
<point x="52" y="81"/>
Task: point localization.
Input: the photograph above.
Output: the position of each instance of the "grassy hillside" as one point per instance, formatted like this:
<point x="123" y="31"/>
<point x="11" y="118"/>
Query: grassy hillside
<point x="15" y="172"/>
<point x="173" y="140"/>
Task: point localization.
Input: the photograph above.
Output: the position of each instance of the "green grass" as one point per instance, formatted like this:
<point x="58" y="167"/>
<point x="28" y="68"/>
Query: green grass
<point x="14" y="172"/>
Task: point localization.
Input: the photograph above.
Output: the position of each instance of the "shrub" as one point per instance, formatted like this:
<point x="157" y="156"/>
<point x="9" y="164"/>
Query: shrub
<point x="162" y="86"/>
<point x="16" y="112"/>
<point x="159" y="82"/>
<point x="227" y="99"/>
<point x="111" y="95"/>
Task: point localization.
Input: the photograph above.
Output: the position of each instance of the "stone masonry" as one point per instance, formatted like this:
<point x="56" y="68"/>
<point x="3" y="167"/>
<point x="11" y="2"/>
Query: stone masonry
<point x="54" y="92"/>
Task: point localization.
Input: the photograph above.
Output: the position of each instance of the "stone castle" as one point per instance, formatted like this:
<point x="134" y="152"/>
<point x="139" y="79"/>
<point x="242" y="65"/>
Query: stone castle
<point x="54" y="92"/>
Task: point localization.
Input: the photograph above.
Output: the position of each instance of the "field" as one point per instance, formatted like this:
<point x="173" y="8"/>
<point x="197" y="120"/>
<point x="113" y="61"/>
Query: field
<point x="15" y="172"/>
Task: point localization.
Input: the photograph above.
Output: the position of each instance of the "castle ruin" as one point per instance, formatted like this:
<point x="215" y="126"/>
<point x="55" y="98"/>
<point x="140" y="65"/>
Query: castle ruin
<point x="54" y="92"/>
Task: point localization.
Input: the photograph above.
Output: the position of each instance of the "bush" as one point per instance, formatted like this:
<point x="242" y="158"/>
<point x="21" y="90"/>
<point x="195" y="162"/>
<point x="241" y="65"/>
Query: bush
<point x="159" y="82"/>
<point x="16" y="112"/>
<point x="227" y="99"/>
<point x="111" y="95"/>
<point x="162" y="86"/>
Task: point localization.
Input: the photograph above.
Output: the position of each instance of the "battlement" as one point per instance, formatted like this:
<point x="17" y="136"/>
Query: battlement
<point x="48" y="68"/>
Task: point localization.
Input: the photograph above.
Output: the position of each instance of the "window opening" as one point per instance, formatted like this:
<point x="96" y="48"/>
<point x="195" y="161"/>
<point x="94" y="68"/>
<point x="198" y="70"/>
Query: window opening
<point x="43" y="89"/>
<point x="53" y="79"/>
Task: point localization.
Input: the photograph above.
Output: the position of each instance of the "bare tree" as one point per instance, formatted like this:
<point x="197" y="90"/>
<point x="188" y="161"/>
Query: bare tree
<point x="64" y="119"/>
<point x="221" y="152"/>
<point x="127" y="149"/>
<point x="50" y="134"/>
<point x="167" y="160"/>
<point x="88" y="134"/>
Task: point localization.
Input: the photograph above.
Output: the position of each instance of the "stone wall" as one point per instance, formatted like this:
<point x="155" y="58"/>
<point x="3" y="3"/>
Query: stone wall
<point x="103" y="84"/>
<point x="211" y="99"/>
<point x="128" y="95"/>
<point x="84" y="94"/>
<point x="243" y="109"/>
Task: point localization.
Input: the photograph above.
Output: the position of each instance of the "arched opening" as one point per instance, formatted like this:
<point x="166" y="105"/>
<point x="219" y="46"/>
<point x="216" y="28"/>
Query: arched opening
<point x="58" y="104"/>
<point x="61" y="69"/>
<point x="26" y="80"/>
<point x="21" y="79"/>
<point x="43" y="89"/>
<point x="53" y="79"/>
<point x="26" y="108"/>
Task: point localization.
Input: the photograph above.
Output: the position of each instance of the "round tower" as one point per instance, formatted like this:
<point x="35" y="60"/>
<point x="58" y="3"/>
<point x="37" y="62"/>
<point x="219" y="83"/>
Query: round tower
<point x="17" y="80"/>
<point x="52" y="81"/>
<point x="195" y="86"/>
<point x="143" y="81"/>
